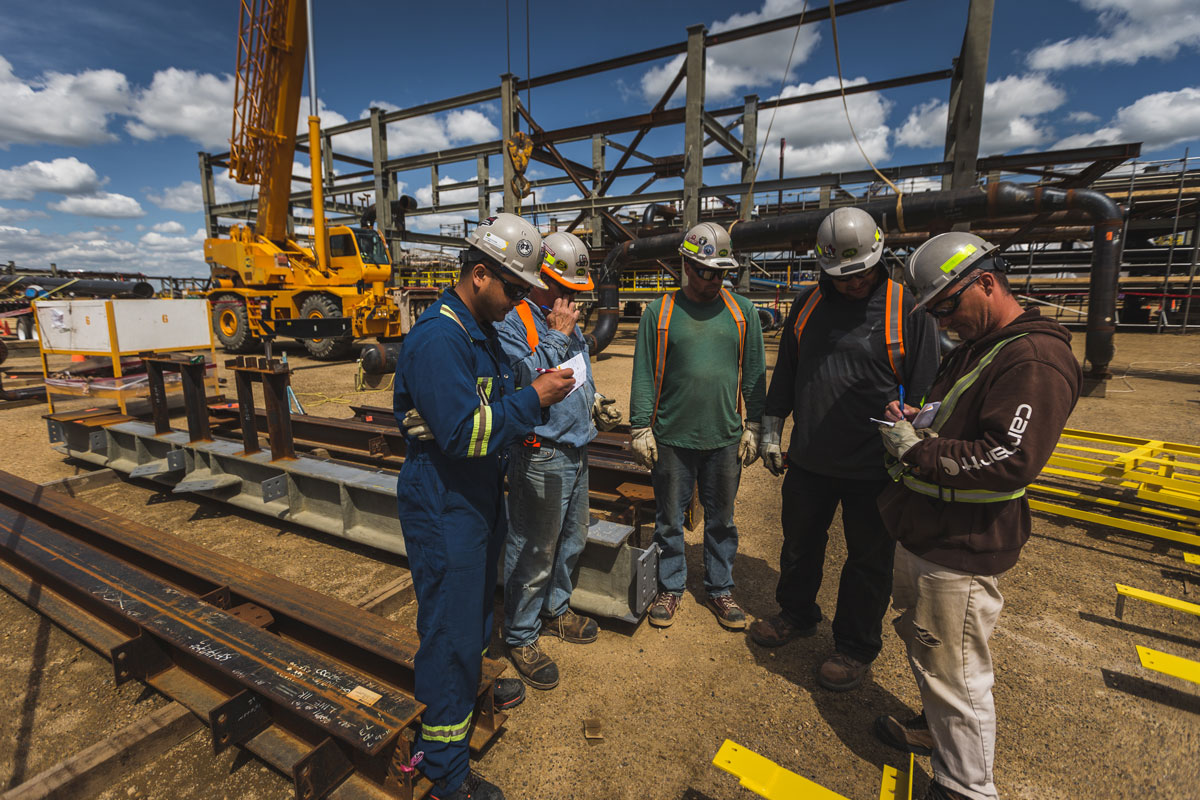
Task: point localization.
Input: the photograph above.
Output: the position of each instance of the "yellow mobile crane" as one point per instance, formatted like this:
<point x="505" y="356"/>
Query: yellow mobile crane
<point x="263" y="282"/>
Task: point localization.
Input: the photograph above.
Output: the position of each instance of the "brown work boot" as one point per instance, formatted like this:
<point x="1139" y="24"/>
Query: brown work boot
<point x="571" y="627"/>
<point x="728" y="612"/>
<point x="535" y="667"/>
<point x="775" y="630"/>
<point x="841" y="673"/>
<point x="910" y="736"/>
<point x="662" y="611"/>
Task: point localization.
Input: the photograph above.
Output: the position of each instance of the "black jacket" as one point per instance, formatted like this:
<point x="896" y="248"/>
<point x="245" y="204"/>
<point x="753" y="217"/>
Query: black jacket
<point x="839" y="377"/>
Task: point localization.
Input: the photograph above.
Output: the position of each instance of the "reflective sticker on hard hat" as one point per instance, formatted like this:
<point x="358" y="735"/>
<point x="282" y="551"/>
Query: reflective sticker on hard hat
<point x="495" y="241"/>
<point x="723" y="253"/>
<point x="878" y="235"/>
<point x="691" y="247"/>
<point x="850" y="252"/>
<point x="958" y="258"/>
<point x="524" y="247"/>
<point x="550" y="260"/>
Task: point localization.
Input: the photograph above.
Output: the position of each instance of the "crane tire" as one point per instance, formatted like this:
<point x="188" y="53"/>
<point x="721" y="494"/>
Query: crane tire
<point x="324" y="306"/>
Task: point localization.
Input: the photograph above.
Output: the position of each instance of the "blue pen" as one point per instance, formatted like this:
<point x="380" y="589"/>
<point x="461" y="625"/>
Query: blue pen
<point x="902" y="398"/>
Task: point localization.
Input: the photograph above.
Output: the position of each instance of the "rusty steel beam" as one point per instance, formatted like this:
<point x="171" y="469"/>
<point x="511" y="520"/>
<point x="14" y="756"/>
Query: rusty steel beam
<point x="318" y="688"/>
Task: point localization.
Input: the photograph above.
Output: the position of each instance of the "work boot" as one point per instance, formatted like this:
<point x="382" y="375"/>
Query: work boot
<point x="910" y="736"/>
<point x="508" y="693"/>
<point x="662" y="610"/>
<point x="937" y="791"/>
<point x="841" y="673"/>
<point x="775" y="630"/>
<point x="473" y="788"/>
<point x="535" y="667"/>
<point x="571" y="627"/>
<point x="728" y="612"/>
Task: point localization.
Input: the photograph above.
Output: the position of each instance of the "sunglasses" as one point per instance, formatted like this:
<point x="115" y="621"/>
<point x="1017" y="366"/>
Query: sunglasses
<point x="707" y="273"/>
<point x="945" y="308"/>
<point x="513" y="291"/>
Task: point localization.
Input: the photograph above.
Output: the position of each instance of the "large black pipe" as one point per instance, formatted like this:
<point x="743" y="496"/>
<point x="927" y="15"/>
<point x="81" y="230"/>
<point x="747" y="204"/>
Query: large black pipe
<point x="922" y="212"/>
<point x="83" y="286"/>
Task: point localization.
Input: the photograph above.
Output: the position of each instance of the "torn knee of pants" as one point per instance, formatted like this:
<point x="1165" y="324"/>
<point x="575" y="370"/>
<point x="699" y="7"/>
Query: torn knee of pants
<point x="925" y="637"/>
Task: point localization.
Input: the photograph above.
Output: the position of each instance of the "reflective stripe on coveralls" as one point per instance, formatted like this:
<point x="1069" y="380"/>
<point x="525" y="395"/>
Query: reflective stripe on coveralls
<point x="660" y="356"/>
<point x="893" y="324"/>
<point x="481" y="423"/>
<point x="949" y="402"/>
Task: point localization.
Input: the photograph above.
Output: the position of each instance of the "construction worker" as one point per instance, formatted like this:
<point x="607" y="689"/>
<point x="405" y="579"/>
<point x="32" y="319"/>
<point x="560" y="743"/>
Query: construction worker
<point x="848" y="347"/>
<point x="548" y="471"/>
<point x="699" y="356"/>
<point x="989" y="424"/>
<point x="455" y="396"/>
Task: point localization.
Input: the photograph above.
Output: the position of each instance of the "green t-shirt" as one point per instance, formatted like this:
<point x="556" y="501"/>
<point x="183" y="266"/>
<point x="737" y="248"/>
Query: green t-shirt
<point x="698" y="406"/>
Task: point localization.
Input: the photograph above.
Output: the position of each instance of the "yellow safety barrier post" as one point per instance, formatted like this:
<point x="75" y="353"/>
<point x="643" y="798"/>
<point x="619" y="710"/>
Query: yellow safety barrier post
<point x="1192" y="558"/>
<point x="766" y="778"/>
<point x="1151" y="597"/>
<point x="1175" y="666"/>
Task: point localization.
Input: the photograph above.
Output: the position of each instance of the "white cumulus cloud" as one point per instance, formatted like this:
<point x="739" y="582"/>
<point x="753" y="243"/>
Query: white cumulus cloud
<point x="1157" y="120"/>
<point x="731" y="68"/>
<point x="58" y="108"/>
<point x="68" y="176"/>
<point x="198" y="106"/>
<point x="1130" y="30"/>
<point x="185" y="197"/>
<point x="1014" y="110"/>
<point x="100" y="248"/>
<point x="21" y="214"/>
<point x="101" y="204"/>
<point x="170" y="226"/>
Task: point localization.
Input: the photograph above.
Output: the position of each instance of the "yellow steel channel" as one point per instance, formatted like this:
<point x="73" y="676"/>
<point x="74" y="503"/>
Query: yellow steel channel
<point x="1176" y="667"/>
<point x="766" y="778"/>
<point x="1158" y="599"/>
<point x="1115" y="522"/>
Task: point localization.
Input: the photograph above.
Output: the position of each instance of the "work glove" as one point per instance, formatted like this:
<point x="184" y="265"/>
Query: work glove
<point x="899" y="438"/>
<point x="605" y="418"/>
<point x="748" y="446"/>
<point x="768" y="443"/>
<point x="416" y="426"/>
<point x="644" y="447"/>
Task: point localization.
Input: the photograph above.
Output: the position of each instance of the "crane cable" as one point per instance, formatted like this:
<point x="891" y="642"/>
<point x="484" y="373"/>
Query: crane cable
<point x="842" y="86"/>
<point x="775" y="110"/>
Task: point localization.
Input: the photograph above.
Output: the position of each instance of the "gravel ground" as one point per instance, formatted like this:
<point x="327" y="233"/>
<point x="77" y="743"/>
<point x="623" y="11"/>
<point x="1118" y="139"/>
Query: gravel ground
<point x="1078" y="715"/>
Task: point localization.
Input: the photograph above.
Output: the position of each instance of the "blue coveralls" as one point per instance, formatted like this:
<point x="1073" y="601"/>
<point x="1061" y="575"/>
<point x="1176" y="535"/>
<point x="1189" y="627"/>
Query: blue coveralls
<point x="451" y="506"/>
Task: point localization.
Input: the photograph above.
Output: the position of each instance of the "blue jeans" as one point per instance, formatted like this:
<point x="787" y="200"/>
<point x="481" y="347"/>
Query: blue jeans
<point x="717" y="473"/>
<point x="548" y="520"/>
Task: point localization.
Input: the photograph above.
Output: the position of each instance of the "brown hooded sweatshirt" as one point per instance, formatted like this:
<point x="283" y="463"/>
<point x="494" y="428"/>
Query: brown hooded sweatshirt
<point x="998" y="437"/>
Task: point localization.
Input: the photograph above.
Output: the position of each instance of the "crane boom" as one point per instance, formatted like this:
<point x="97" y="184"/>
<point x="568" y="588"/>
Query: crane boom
<point x="272" y="39"/>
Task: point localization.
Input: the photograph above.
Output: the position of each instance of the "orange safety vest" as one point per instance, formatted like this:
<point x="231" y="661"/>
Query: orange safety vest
<point x="893" y="324"/>
<point x="664" y="322"/>
<point x="525" y="312"/>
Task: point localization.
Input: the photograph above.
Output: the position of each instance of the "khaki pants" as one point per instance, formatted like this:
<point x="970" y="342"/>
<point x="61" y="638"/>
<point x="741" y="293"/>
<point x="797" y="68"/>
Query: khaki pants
<point x="946" y="619"/>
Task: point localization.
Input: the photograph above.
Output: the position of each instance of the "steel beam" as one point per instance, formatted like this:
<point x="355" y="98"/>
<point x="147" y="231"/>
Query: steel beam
<point x="693" y="127"/>
<point x="965" y="118"/>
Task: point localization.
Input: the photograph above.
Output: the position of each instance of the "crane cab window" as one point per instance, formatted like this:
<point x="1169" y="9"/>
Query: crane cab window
<point x="370" y="244"/>
<point x="341" y="244"/>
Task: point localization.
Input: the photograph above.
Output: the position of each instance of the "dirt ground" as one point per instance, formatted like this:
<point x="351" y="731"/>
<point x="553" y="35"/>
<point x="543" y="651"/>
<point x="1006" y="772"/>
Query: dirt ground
<point x="1078" y="715"/>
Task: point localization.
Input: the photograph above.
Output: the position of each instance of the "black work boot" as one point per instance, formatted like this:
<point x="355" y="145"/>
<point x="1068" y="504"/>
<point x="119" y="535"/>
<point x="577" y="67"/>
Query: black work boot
<point x="508" y="693"/>
<point x="535" y="667"/>
<point x="473" y="788"/>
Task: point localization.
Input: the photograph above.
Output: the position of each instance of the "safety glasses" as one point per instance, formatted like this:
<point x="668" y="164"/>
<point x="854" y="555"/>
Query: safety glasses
<point x="948" y="306"/>
<point x="708" y="274"/>
<point x="513" y="291"/>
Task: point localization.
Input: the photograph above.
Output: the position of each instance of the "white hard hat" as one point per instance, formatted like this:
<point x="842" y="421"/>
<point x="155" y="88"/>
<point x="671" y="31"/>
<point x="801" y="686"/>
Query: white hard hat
<point x="566" y="261"/>
<point x="513" y="243"/>
<point x="708" y="245"/>
<point x="942" y="260"/>
<point x="848" y="242"/>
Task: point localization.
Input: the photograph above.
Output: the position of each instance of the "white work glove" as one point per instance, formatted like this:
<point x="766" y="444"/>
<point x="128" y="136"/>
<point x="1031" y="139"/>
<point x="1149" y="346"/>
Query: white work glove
<point x="644" y="447"/>
<point x="748" y="446"/>
<point x="899" y="438"/>
<point x="416" y="426"/>
<point x="768" y="443"/>
<point x="605" y="418"/>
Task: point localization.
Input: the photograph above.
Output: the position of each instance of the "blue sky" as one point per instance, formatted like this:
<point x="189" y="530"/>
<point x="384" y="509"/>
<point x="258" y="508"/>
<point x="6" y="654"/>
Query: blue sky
<point x="103" y="106"/>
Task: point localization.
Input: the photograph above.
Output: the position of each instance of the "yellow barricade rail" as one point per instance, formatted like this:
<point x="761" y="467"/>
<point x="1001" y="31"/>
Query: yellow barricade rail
<point x="1124" y="591"/>
<point x="767" y="779"/>
<point x="1175" y="666"/>
<point x="1099" y="474"/>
